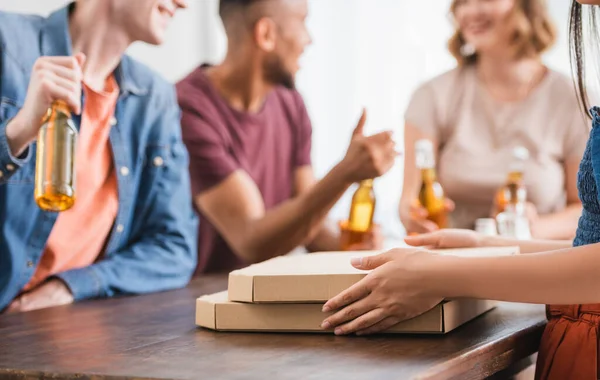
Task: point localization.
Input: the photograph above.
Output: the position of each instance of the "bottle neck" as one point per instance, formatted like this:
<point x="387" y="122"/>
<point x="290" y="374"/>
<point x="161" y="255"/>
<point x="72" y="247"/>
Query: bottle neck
<point x="62" y="107"/>
<point x="367" y="183"/>
<point x="428" y="175"/>
<point x="515" y="176"/>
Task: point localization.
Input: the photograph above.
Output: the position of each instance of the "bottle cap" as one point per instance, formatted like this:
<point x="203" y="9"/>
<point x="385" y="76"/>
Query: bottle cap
<point x="424" y="145"/>
<point x="424" y="157"/>
<point x="520" y="153"/>
<point x="486" y="226"/>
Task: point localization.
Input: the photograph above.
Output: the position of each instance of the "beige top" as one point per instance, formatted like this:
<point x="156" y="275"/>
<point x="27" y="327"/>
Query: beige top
<point x="477" y="135"/>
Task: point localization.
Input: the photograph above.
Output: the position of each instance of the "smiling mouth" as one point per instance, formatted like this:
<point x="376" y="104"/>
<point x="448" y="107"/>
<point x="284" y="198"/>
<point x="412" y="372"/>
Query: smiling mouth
<point x="477" y="28"/>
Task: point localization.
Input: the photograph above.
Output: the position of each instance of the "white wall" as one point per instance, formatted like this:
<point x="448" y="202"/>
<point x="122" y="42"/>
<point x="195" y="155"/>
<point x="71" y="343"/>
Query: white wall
<point x="366" y="53"/>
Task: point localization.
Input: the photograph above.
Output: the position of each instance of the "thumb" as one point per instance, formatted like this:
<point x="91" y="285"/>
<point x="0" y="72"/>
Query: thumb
<point x="371" y="262"/>
<point x="449" y="204"/>
<point x="358" y="131"/>
<point x="14" y="306"/>
<point x="81" y="58"/>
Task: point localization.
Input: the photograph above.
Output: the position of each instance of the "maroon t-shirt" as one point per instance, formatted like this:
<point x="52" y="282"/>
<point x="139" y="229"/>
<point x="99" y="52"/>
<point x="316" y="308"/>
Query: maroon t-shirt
<point x="268" y="146"/>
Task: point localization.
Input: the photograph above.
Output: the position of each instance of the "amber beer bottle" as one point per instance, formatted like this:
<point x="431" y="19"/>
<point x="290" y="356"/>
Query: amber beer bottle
<point x="431" y="194"/>
<point x="513" y="195"/>
<point x="362" y="210"/>
<point x="55" y="160"/>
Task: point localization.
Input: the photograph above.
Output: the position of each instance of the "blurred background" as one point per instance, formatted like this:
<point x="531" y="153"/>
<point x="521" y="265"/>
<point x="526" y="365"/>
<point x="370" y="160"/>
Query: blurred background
<point x="370" y="53"/>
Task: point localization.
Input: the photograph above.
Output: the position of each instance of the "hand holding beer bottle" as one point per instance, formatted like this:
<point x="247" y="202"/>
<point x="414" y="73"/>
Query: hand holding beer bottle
<point x="431" y="207"/>
<point x="367" y="157"/>
<point x="54" y="91"/>
<point x="52" y="79"/>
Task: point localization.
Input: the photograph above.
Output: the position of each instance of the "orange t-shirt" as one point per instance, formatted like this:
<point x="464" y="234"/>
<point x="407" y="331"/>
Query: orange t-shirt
<point x="79" y="234"/>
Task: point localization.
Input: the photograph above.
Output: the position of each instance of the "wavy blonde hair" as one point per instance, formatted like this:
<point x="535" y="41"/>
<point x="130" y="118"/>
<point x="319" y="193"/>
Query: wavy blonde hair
<point x="534" y="32"/>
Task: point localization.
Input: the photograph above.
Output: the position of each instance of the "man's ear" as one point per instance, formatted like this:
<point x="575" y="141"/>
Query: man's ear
<point x="265" y="34"/>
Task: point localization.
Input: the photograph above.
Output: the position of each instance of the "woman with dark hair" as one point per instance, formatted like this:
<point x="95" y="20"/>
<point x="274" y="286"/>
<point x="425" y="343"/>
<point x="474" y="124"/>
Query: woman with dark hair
<point x="497" y="98"/>
<point x="404" y="283"/>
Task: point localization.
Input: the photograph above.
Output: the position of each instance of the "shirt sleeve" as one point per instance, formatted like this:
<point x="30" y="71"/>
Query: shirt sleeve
<point x="211" y="160"/>
<point x="577" y="133"/>
<point x="303" y="136"/>
<point x="421" y="112"/>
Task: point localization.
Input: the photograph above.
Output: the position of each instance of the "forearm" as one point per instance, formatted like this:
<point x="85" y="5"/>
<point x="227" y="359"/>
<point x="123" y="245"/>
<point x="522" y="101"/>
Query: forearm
<point x="410" y="186"/>
<point x="158" y="264"/>
<point x="526" y="246"/>
<point x="559" y="225"/>
<point x="17" y="142"/>
<point x="293" y="222"/>
<point x="568" y="276"/>
<point x="326" y="239"/>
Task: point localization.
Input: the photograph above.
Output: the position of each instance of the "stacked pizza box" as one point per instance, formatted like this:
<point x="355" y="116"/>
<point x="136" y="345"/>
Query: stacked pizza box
<point x="286" y="294"/>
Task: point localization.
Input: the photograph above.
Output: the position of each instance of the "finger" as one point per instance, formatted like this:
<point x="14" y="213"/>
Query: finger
<point x="371" y="262"/>
<point x="428" y="226"/>
<point x="352" y="294"/>
<point x="421" y="226"/>
<point x="348" y="313"/>
<point x="390" y="160"/>
<point x="380" y="326"/>
<point x="63" y="72"/>
<point x="60" y="93"/>
<point x="430" y="239"/>
<point x="449" y="204"/>
<point x="392" y="155"/>
<point x="358" y="131"/>
<point x="67" y="84"/>
<point x="181" y="3"/>
<point x="390" y="147"/>
<point x="362" y="322"/>
<point x="381" y="138"/>
<point x="80" y="58"/>
<point x="64" y="61"/>
<point x="418" y="211"/>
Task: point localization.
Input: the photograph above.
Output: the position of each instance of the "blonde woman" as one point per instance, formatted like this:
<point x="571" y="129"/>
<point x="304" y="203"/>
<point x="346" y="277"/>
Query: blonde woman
<point x="498" y="97"/>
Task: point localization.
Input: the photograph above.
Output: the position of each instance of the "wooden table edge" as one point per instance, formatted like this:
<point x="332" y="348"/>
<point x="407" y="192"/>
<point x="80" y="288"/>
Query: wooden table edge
<point x="6" y="373"/>
<point x="503" y="349"/>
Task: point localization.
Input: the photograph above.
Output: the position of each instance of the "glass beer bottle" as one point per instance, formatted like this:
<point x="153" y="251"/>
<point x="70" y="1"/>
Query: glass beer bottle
<point x="55" y="160"/>
<point x="513" y="195"/>
<point x="431" y="194"/>
<point x="362" y="209"/>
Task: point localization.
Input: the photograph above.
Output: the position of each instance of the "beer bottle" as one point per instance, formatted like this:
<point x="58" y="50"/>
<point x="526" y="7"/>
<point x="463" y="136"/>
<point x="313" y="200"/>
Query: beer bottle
<point x="513" y="195"/>
<point x="362" y="208"/>
<point x="55" y="160"/>
<point x="431" y="194"/>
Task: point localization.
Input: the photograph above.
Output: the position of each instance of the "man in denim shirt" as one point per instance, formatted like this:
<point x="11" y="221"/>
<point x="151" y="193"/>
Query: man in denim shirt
<point x="132" y="229"/>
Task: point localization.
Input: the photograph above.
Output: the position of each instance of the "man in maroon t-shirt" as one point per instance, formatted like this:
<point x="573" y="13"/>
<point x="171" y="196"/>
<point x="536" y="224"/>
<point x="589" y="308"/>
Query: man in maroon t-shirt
<point x="249" y="139"/>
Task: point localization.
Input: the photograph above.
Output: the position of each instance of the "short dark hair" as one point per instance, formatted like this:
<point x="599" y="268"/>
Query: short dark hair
<point x="226" y="6"/>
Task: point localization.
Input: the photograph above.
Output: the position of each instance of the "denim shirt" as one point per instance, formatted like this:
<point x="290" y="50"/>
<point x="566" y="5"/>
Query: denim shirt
<point x="152" y="244"/>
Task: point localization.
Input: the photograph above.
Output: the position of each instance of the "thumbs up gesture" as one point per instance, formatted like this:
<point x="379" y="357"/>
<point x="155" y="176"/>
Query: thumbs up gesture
<point x="368" y="156"/>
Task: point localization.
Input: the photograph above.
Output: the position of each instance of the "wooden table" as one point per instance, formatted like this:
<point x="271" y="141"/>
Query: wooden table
<point x="154" y="336"/>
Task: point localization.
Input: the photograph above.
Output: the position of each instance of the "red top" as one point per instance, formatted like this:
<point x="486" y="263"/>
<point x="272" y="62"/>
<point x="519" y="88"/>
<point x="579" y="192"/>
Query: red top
<point x="268" y="146"/>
